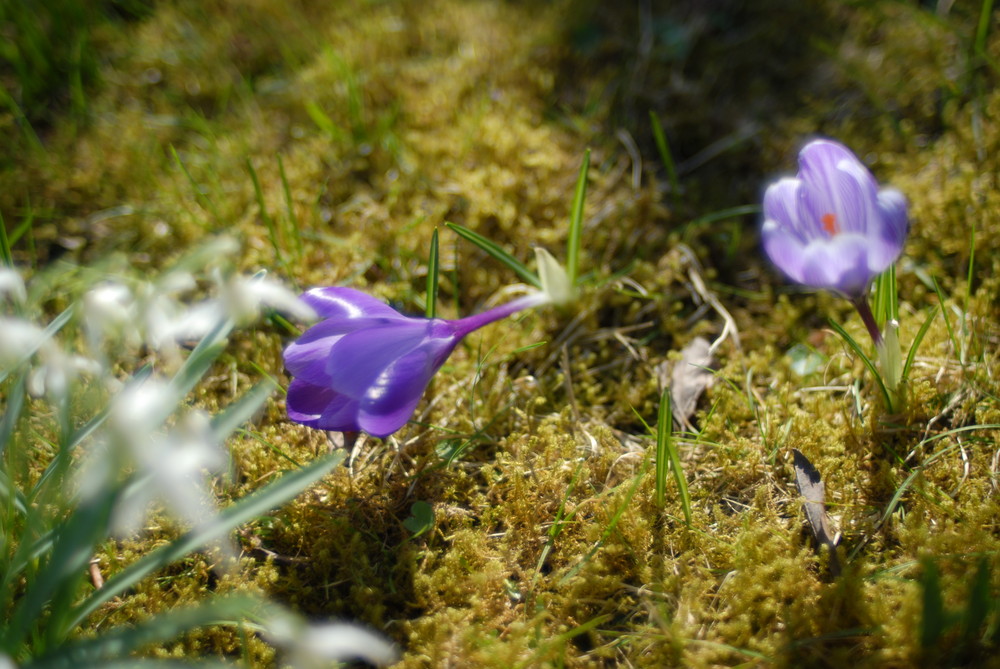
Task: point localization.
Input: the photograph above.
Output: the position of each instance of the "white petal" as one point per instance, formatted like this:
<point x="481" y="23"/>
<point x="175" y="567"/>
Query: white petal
<point x="12" y="284"/>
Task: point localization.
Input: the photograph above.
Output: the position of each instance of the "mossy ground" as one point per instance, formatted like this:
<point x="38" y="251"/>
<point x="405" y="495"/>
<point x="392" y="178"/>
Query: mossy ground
<point x="368" y="124"/>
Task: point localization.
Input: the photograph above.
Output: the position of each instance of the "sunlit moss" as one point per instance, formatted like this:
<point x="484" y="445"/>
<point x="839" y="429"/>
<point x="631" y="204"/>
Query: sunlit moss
<point x="548" y="548"/>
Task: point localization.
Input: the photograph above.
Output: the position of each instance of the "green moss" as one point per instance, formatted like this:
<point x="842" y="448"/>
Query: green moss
<point x="548" y="548"/>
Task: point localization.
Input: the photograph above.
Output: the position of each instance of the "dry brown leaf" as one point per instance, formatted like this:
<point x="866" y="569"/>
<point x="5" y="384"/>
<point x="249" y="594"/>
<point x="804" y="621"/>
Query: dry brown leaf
<point x="811" y="487"/>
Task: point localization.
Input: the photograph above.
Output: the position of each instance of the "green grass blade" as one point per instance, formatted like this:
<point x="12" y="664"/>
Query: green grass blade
<point x="199" y="197"/>
<point x="293" y="219"/>
<point x="557" y="524"/>
<point x="576" y="221"/>
<point x="666" y="448"/>
<point x="886" y="297"/>
<point x="912" y="354"/>
<point x="325" y="123"/>
<point x="932" y="622"/>
<point x="12" y="412"/>
<point x="55" y="584"/>
<point x="430" y="308"/>
<point x="665" y="155"/>
<point x="864" y="358"/>
<point x="272" y="231"/>
<point x="247" y="509"/>
<point x="944" y="313"/>
<point x="494" y="250"/>
<point x="122" y="640"/>
<point x="619" y="512"/>
<point x="201" y="359"/>
<point x="968" y="286"/>
<point x="983" y="28"/>
<point x="663" y="435"/>
<point x="6" y="256"/>
<point x="977" y="608"/>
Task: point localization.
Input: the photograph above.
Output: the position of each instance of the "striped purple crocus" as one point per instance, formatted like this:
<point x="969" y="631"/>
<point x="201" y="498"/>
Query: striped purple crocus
<point x="830" y="226"/>
<point x="365" y="366"/>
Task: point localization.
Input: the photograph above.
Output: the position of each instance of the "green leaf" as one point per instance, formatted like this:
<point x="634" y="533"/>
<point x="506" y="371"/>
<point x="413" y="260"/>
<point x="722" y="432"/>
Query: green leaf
<point x="932" y="313"/>
<point x="247" y="509"/>
<point x="272" y="231"/>
<point x="5" y="253"/>
<point x="668" y="159"/>
<point x="576" y="221"/>
<point x="56" y="582"/>
<point x="666" y="448"/>
<point x="492" y="249"/>
<point x="932" y="623"/>
<point x="432" y="277"/>
<point x="122" y="640"/>
<point x="849" y="340"/>
<point x="421" y="518"/>
<point x="978" y="606"/>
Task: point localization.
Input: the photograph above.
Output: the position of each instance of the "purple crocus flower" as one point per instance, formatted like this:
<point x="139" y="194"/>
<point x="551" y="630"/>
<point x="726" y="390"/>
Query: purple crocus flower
<point x="365" y="366"/>
<point x="831" y="227"/>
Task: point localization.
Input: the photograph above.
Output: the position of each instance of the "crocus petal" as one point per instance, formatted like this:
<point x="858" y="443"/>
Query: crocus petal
<point x="359" y="357"/>
<point x="307" y="356"/>
<point x="836" y="182"/>
<point x="785" y="250"/>
<point x="838" y="264"/>
<point x="892" y="206"/>
<point x="392" y="398"/>
<point x="346" y="303"/>
<point x="781" y="207"/>
<point x="831" y="227"/>
<point x="321" y="407"/>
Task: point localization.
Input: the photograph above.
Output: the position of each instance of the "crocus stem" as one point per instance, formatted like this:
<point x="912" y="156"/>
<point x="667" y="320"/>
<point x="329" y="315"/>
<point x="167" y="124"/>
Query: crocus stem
<point x="464" y="326"/>
<point x="861" y="304"/>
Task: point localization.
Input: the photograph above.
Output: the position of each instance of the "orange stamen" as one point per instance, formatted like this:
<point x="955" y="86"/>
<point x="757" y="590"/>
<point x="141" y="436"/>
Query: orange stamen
<point x="830" y="223"/>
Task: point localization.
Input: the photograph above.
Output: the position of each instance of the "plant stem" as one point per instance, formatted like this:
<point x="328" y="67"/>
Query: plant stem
<point x="861" y="304"/>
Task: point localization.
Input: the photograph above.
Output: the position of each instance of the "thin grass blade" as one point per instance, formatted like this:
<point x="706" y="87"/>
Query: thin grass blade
<point x="430" y="309"/>
<point x="293" y="219"/>
<point x="494" y="250"/>
<point x="921" y="333"/>
<point x="849" y="340"/>
<point x="576" y="221"/>
<point x="272" y="230"/>
<point x="666" y="446"/>
<point x="944" y="314"/>
<point x="122" y="640"/>
<point x="665" y="155"/>
<point x="6" y="256"/>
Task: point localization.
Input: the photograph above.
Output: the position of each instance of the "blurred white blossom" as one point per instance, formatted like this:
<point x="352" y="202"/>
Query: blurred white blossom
<point x="12" y="284"/>
<point x="318" y="644"/>
<point x="109" y="310"/>
<point x="18" y="340"/>
<point x="58" y="371"/>
<point x="173" y="466"/>
<point x="178" y="466"/>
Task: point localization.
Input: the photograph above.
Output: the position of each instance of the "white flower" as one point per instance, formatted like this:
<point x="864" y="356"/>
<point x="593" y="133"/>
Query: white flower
<point x="317" y="644"/>
<point x="58" y="371"/>
<point x="108" y="309"/>
<point x="243" y="298"/>
<point x="18" y="340"/>
<point x="12" y="284"/>
<point x="173" y="467"/>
